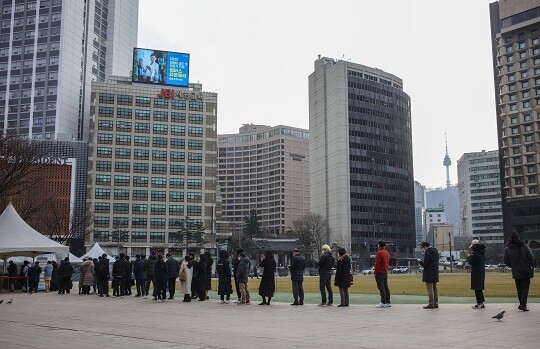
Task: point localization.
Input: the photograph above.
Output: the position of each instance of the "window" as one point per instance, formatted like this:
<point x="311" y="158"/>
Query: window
<point x="527" y="128"/>
<point x="177" y="183"/>
<point x="159" y="195"/>
<point x="103" y="166"/>
<point x="104" y="152"/>
<point x="159" y="182"/>
<point x="194" y="183"/>
<point x="193" y="210"/>
<point x="177" y="143"/>
<point x="102" y="179"/>
<point x="105" y="111"/>
<point x="102" y="222"/>
<point x="531" y="179"/>
<point x="514" y="121"/>
<point x="161" y="103"/>
<point x="142" y="141"/>
<point x="120" y="166"/>
<point x="123" y="126"/>
<point x="159" y="168"/>
<point x="140" y="167"/>
<point x="160" y="129"/>
<point x="176" y="210"/>
<point x="531" y="169"/>
<point x="195" y="144"/>
<point x="122" y="153"/>
<point x="124" y="113"/>
<point x="139" y="209"/>
<point x="159" y="155"/>
<point x="194" y="170"/>
<point x="194" y="197"/>
<point x="101" y="193"/>
<point x="142" y="114"/>
<point x="527" y="117"/>
<point x="142" y="101"/>
<point x="515" y="130"/>
<point x="524" y="75"/>
<point x="532" y="190"/>
<point x="105" y="125"/>
<point x="178" y="117"/>
<point x="195" y="118"/>
<point x="154" y="236"/>
<point x="177" y="156"/>
<point x="120" y="208"/>
<point x="195" y="157"/>
<point x="124" y="100"/>
<point x="140" y="181"/>
<point x="123" y="139"/>
<point x="102" y="207"/>
<point x="160" y="115"/>
<point x="158" y="209"/>
<point x="194" y="131"/>
<point x="107" y="98"/>
<point x="529" y="148"/>
<point x="196" y="105"/>
<point x="141" y="154"/>
<point x="176" y="196"/>
<point x="177" y="169"/>
<point x="140" y="195"/>
<point x="519" y="191"/>
<point x="178" y="130"/>
<point x="142" y="127"/>
<point x="159" y="142"/>
<point x="178" y="104"/>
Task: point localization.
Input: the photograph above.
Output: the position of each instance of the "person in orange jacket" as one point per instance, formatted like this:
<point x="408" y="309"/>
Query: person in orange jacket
<point x="382" y="260"/>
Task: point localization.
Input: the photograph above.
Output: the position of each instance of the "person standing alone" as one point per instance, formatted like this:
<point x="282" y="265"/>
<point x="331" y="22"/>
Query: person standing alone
<point x="431" y="274"/>
<point x="518" y="257"/>
<point x="298" y="264"/>
<point x="382" y="260"/>
<point x="325" y="264"/>
<point x="477" y="260"/>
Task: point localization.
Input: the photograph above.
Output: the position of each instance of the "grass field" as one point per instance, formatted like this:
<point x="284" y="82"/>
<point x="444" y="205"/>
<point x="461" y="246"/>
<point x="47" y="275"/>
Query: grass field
<point x="452" y="285"/>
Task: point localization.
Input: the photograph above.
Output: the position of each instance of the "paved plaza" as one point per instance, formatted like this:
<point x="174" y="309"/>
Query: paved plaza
<point x="72" y="321"/>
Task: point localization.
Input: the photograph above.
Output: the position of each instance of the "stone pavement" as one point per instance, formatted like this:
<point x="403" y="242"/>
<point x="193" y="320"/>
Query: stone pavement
<point x="72" y="321"/>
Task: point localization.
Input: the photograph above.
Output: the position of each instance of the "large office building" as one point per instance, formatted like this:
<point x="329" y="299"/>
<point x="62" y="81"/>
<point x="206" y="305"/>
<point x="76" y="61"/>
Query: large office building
<point x="480" y="196"/>
<point x="419" y="208"/>
<point x="515" y="34"/>
<point x="50" y="53"/>
<point x="361" y="166"/>
<point x="151" y="166"/>
<point x="265" y="169"/>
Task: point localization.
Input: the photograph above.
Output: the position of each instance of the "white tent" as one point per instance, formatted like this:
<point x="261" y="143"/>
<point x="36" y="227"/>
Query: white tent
<point x="19" y="239"/>
<point x="48" y="257"/>
<point x="97" y="251"/>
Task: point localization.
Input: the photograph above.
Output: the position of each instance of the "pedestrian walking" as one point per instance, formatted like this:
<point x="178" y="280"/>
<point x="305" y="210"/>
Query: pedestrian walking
<point x="242" y="275"/>
<point x="186" y="275"/>
<point x="518" y="256"/>
<point x="325" y="264"/>
<point x="382" y="261"/>
<point x="343" y="276"/>
<point x="477" y="260"/>
<point x="267" y="286"/>
<point x="297" y="267"/>
<point x="160" y="279"/>
<point x="223" y="270"/>
<point x="173" y="269"/>
<point x="431" y="274"/>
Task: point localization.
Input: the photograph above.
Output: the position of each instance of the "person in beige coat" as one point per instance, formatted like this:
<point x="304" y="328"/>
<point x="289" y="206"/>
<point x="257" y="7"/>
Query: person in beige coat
<point x="185" y="285"/>
<point x="88" y="275"/>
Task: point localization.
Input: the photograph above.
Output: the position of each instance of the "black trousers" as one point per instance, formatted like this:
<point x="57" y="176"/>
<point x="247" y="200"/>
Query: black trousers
<point x="141" y="287"/>
<point x="325" y="282"/>
<point x="34" y="286"/>
<point x="172" y="286"/>
<point x="479" y="294"/>
<point x="237" y="289"/>
<point x="103" y="285"/>
<point x="522" y="288"/>
<point x="298" y="291"/>
<point x="150" y="279"/>
<point x="382" y="285"/>
<point x="128" y="286"/>
<point x="120" y="288"/>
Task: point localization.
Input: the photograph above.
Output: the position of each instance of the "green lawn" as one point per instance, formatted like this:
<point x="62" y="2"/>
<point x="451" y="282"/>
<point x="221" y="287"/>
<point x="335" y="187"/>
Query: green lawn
<point x="498" y="285"/>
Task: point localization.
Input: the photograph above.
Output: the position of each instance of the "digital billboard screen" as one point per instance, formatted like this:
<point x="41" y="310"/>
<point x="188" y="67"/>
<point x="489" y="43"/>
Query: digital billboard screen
<point x="160" y="67"/>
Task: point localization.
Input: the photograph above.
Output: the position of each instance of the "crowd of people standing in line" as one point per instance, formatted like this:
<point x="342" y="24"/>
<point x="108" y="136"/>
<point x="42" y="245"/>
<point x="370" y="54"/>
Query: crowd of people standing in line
<point x="195" y="275"/>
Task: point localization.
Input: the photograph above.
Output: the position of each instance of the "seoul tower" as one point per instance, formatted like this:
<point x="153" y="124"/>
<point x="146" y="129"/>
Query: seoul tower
<point x="447" y="163"/>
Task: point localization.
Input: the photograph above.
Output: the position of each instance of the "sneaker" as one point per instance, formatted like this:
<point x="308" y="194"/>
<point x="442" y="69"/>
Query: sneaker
<point x="322" y="305"/>
<point x="329" y="304"/>
<point x="388" y="305"/>
<point x="381" y="305"/>
<point x="478" y="306"/>
<point x="430" y="306"/>
<point x="522" y="308"/>
<point x="227" y="302"/>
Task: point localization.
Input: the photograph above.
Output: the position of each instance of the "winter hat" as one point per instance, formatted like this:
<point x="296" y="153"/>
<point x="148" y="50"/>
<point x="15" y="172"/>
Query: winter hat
<point x="474" y="242"/>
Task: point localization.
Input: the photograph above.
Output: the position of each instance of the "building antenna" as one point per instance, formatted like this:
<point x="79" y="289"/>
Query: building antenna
<point x="447" y="163"/>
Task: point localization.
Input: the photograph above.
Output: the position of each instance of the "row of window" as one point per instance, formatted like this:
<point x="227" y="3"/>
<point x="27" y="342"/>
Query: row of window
<point x="142" y="101"/>
<point x="52" y="62"/>
<point x="144" y="154"/>
<point x="144" y="114"/>
<point x="31" y="6"/>
<point x="155" y="209"/>
<point x="142" y="222"/>
<point x="106" y="166"/>
<point x="139" y="194"/>
<point x="144" y="141"/>
<point x="141" y="236"/>
<point x="144" y="127"/>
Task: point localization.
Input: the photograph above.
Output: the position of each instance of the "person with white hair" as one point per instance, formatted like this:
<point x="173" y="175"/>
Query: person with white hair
<point x="325" y="264"/>
<point x="477" y="260"/>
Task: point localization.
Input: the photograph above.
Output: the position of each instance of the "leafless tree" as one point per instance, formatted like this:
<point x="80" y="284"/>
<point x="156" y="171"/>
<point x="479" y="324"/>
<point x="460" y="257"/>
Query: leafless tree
<point x="312" y="231"/>
<point x="19" y="174"/>
<point x="56" y="224"/>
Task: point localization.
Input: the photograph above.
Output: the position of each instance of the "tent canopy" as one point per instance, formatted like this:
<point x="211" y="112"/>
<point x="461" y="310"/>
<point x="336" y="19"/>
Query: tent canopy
<point x="19" y="239"/>
<point x="96" y="251"/>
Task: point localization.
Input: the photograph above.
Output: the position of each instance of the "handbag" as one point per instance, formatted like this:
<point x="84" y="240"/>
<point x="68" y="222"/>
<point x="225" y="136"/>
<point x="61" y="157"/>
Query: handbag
<point x="524" y="267"/>
<point x="351" y="279"/>
<point x="183" y="275"/>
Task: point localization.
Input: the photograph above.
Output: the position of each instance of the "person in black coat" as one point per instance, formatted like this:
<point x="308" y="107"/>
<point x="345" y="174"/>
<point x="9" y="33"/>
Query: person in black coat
<point x="431" y="274"/>
<point x="518" y="256"/>
<point x="139" y="272"/>
<point x="65" y="271"/>
<point x="235" y="262"/>
<point x="128" y="277"/>
<point x="208" y="273"/>
<point x="343" y="276"/>
<point x="12" y="272"/>
<point x="54" y="277"/>
<point x="223" y="269"/>
<point x="95" y="261"/>
<point x="160" y="279"/>
<point x="103" y="275"/>
<point x="297" y="267"/>
<point x="33" y="275"/>
<point x="194" y="283"/>
<point x="268" y="280"/>
<point x="477" y="260"/>
<point x="120" y="271"/>
<point x="173" y="269"/>
<point x="200" y="279"/>
<point x="325" y="264"/>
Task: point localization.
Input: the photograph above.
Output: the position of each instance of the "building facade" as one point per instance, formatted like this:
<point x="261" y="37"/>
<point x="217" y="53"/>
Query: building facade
<point x="480" y="196"/>
<point x="151" y="166"/>
<point x="441" y="236"/>
<point x="434" y="215"/>
<point x="361" y="167"/>
<point x="419" y="208"/>
<point x="515" y="30"/>
<point x="265" y="169"/>
<point x="50" y="52"/>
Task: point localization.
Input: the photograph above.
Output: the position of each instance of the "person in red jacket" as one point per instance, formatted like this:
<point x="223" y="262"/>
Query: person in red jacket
<point x="382" y="260"/>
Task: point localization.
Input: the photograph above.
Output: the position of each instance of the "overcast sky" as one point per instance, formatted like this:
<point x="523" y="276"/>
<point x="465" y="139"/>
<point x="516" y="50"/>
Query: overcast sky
<point x="257" y="56"/>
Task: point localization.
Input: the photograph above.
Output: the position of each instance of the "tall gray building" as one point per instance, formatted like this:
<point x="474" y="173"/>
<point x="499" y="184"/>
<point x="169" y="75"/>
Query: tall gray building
<point x="515" y="34"/>
<point x="50" y="52"/>
<point x="361" y="166"/>
<point x="480" y="196"/>
<point x="419" y="207"/>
